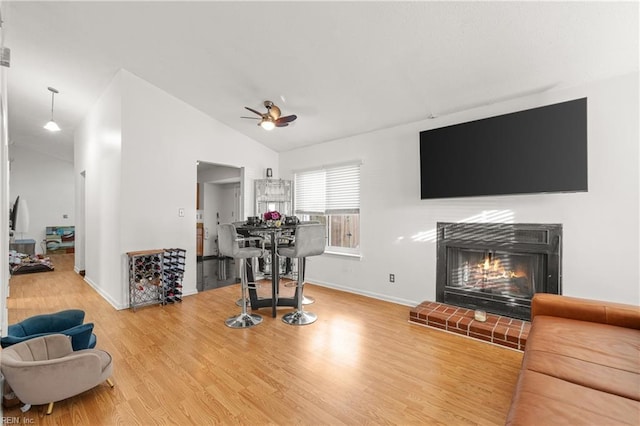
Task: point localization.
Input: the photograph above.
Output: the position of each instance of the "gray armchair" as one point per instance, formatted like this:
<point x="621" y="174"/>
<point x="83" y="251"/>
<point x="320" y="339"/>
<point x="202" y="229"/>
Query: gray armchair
<point x="45" y="369"/>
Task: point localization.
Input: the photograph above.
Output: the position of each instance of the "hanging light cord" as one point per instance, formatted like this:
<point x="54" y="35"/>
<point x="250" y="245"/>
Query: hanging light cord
<point x="53" y="95"/>
<point x="52" y="126"/>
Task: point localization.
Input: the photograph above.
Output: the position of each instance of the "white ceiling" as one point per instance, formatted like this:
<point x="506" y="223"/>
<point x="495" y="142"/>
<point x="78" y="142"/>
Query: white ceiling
<point x="343" y="68"/>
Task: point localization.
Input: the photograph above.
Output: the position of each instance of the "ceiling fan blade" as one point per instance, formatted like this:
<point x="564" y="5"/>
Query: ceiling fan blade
<point x="251" y="118"/>
<point x="254" y="111"/>
<point x="286" y="119"/>
<point x="281" y="124"/>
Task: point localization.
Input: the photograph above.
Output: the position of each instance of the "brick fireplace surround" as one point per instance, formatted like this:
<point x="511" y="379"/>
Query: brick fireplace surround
<point x="500" y="330"/>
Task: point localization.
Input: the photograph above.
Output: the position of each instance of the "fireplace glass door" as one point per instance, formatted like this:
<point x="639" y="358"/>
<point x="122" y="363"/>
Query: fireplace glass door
<point x="493" y="273"/>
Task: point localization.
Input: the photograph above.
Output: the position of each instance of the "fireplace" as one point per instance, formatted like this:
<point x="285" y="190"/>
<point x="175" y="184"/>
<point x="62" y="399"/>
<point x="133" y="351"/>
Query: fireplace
<point x="497" y="267"/>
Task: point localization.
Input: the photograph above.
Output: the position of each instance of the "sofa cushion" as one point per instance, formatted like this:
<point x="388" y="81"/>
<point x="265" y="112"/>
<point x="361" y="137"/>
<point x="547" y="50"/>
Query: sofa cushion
<point x="541" y="399"/>
<point x="595" y="343"/>
<point x="596" y="376"/>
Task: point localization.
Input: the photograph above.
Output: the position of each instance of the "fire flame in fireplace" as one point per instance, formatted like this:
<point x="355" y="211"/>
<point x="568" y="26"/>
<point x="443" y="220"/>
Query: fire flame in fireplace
<point x="492" y="274"/>
<point x="494" y="269"/>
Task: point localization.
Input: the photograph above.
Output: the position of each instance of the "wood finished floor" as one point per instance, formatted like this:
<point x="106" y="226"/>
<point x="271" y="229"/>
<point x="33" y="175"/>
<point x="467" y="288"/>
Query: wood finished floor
<point x="360" y="363"/>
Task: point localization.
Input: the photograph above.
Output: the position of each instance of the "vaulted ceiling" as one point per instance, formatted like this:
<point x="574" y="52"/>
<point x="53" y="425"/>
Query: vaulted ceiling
<point x="343" y="67"/>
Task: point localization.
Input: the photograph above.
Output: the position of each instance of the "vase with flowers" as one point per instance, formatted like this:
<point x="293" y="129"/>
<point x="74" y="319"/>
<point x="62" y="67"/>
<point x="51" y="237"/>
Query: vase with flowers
<point x="273" y="218"/>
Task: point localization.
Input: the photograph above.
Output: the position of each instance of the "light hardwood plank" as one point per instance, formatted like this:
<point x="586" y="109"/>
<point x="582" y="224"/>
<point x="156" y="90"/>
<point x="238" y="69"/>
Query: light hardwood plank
<point x="361" y="362"/>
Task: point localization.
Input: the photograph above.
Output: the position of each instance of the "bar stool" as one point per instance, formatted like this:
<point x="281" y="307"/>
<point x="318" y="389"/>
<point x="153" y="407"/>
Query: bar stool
<point x="310" y="241"/>
<point x="228" y="246"/>
<point x="307" y="300"/>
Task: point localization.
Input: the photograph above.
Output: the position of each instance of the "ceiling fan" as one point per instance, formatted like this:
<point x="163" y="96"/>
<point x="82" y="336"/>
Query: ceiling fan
<point x="271" y="118"/>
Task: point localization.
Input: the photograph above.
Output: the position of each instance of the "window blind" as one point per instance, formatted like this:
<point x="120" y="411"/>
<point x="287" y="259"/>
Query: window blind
<point x="329" y="190"/>
<point x="310" y="194"/>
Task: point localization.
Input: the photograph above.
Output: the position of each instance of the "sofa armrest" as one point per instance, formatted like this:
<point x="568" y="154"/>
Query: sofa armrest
<point x="618" y="314"/>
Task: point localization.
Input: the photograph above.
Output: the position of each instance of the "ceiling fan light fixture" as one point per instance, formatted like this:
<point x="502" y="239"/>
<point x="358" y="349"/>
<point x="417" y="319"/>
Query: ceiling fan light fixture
<point x="267" y="124"/>
<point x="272" y="118"/>
<point x="52" y="126"/>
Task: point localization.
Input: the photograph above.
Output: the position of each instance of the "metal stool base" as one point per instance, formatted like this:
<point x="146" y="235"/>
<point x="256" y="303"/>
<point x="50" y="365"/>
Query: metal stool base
<point x="299" y="318"/>
<point x="243" y="321"/>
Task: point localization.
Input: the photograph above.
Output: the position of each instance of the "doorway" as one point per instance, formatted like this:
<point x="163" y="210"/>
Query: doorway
<point x="219" y="200"/>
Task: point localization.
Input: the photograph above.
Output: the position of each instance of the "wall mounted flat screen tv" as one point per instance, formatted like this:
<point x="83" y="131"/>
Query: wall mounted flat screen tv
<point x="533" y="151"/>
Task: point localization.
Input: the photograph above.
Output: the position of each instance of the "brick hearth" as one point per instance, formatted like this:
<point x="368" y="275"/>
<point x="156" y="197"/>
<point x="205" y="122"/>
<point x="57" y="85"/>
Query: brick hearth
<point x="501" y="330"/>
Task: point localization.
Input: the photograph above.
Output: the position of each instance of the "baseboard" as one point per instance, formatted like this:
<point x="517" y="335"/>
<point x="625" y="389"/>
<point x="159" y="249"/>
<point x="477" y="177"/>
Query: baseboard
<point x="320" y="283"/>
<point x="105" y="296"/>
<point x="373" y="295"/>
<point x="189" y="293"/>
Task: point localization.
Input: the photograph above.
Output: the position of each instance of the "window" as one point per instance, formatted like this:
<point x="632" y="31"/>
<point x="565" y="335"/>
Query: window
<point x="331" y="195"/>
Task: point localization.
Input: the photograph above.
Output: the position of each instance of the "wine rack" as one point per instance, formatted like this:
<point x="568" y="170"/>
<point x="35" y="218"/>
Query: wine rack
<point x="155" y="276"/>
<point x="173" y="273"/>
<point x="146" y="285"/>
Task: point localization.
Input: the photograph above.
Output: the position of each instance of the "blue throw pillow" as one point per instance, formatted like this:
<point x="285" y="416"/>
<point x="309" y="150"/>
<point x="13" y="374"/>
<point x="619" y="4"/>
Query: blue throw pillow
<point x="80" y="336"/>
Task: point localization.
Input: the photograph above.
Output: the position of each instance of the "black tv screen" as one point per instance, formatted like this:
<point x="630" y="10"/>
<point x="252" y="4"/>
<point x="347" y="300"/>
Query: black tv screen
<point x="13" y="214"/>
<point x="533" y="151"/>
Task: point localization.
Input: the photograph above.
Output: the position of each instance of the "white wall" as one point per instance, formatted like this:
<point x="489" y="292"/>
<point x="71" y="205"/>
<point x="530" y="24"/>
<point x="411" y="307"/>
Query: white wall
<point x="154" y="143"/>
<point x="601" y="227"/>
<point x="47" y="183"/>
<point x="4" y="195"/>
<point x="97" y="152"/>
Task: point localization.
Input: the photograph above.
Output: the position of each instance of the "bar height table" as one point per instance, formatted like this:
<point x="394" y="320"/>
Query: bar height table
<point x="272" y="233"/>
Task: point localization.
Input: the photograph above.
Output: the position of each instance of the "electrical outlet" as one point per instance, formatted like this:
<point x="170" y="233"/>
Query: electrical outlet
<point x="392" y="278"/>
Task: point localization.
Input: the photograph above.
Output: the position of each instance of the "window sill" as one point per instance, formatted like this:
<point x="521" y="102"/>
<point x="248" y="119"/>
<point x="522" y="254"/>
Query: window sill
<point x="343" y="254"/>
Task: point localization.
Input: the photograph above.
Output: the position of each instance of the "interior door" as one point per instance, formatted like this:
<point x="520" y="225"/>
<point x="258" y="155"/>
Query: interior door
<point x="199" y="239"/>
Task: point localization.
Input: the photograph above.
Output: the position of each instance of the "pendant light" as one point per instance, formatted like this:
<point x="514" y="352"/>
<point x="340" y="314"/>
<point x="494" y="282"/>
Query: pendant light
<point x="52" y="126"/>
